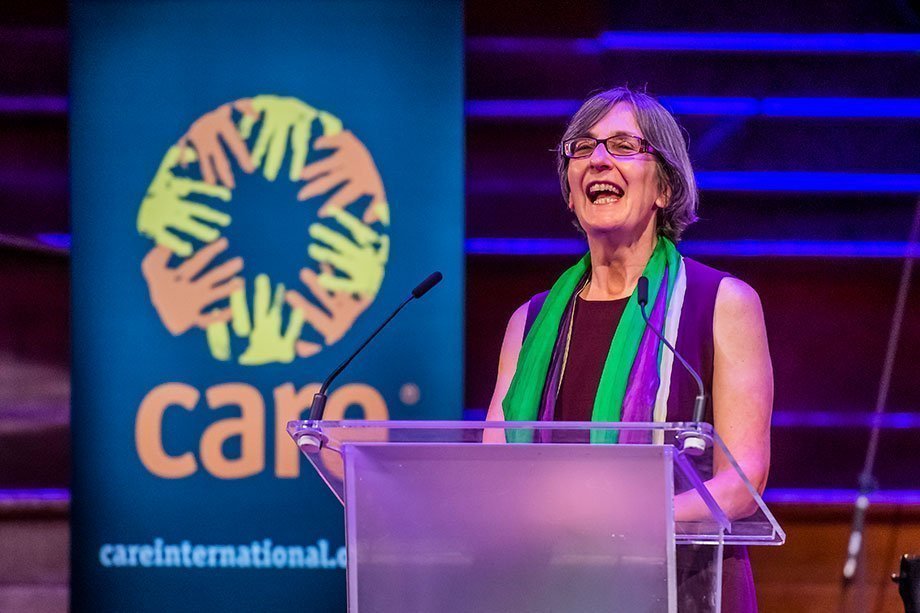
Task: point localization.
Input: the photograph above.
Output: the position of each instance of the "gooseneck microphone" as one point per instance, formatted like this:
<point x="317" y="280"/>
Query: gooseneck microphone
<point x="693" y="444"/>
<point x="319" y="399"/>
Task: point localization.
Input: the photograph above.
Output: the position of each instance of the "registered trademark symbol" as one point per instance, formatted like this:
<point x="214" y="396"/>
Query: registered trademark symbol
<point x="409" y="394"/>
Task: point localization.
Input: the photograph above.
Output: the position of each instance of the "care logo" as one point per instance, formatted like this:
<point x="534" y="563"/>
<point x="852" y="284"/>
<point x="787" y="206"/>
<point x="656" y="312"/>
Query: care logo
<point x="195" y="277"/>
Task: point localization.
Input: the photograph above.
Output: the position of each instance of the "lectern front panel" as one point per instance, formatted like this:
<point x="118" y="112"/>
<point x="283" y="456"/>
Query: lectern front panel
<point x="554" y="527"/>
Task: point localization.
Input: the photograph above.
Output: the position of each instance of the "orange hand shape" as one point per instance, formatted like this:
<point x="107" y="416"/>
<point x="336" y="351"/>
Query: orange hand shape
<point x="205" y="136"/>
<point x="341" y="310"/>
<point x="181" y="294"/>
<point x="352" y="168"/>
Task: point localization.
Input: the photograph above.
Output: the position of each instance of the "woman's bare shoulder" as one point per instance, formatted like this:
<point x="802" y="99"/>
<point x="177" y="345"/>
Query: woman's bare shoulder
<point x="738" y="303"/>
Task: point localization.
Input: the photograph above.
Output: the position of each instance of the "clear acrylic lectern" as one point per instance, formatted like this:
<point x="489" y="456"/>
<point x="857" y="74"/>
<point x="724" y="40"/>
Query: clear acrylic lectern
<point x="449" y="516"/>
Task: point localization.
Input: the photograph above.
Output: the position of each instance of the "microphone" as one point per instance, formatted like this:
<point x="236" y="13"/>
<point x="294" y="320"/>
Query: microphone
<point x="319" y="399"/>
<point x="430" y="281"/>
<point x="693" y="443"/>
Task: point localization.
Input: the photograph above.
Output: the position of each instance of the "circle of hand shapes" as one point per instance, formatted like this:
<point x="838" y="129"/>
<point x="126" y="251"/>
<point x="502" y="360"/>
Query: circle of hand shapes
<point x="350" y="265"/>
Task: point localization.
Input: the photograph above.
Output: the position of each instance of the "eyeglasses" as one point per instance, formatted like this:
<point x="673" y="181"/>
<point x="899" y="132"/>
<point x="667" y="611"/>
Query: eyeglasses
<point x="619" y="145"/>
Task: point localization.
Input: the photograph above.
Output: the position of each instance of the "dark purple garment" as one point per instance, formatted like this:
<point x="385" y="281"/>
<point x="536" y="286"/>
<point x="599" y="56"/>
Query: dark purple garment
<point x="695" y="343"/>
<point x="594" y="324"/>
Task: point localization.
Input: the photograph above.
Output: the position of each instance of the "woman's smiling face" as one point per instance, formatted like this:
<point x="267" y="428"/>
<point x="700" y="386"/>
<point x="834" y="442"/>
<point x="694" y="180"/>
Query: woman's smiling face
<point x="615" y="195"/>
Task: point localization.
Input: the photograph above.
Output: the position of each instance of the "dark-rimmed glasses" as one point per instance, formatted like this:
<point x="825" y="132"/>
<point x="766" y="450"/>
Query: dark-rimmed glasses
<point x="618" y="145"/>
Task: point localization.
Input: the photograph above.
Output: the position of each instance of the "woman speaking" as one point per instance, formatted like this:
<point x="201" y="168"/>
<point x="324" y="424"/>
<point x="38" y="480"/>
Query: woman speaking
<point x="582" y="352"/>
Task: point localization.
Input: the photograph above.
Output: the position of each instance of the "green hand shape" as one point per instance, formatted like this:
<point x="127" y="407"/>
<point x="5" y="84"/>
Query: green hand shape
<point x="218" y="334"/>
<point x="362" y="260"/>
<point x="267" y="343"/>
<point x="284" y="119"/>
<point x="218" y="341"/>
<point x="166" y="210"/>
<point x="240" y="313"/>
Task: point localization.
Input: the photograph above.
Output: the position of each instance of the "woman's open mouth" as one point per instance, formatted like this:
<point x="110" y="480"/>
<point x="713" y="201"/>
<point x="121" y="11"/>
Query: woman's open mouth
<point x="603" y="192"/>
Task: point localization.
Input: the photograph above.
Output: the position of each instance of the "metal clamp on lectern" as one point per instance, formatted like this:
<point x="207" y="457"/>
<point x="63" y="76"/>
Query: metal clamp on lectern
<point x="311" y="439"/>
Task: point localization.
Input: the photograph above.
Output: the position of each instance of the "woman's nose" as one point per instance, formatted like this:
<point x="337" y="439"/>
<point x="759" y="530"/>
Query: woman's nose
<point x="600" y="157"/>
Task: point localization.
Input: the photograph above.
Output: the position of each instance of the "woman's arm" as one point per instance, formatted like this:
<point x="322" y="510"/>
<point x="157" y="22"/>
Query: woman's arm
<point x="507" y="361"/>
<point x="742" y="400"/>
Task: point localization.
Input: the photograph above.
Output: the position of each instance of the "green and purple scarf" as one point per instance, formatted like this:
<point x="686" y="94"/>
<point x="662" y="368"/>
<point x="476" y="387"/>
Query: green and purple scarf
<point x="630" y="379"/>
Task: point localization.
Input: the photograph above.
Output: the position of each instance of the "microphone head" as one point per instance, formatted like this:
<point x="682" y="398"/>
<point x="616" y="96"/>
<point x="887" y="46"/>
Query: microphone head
<point x="642" y="290"/>
<point x="430" y="281"/>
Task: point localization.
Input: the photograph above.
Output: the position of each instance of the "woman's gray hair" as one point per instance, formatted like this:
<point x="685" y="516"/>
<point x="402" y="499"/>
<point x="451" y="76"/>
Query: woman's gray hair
<point x="661" y="130"/>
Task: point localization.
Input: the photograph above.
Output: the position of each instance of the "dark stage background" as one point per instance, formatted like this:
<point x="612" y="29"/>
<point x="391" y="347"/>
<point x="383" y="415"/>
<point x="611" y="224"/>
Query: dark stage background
<point x="808" y="154"/>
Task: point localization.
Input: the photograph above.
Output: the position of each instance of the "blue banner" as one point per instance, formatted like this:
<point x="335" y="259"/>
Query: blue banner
<point x="255" y="185"/>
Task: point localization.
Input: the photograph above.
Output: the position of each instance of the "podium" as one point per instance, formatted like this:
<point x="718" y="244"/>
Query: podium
<point x="451" y="516"/>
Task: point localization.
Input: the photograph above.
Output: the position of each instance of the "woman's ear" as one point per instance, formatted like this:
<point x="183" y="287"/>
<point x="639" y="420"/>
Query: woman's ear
<point x="664" y="197"/>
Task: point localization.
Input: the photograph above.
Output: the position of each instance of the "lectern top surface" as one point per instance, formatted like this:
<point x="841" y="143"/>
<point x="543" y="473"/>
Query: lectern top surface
<point x="698" y="515"/>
